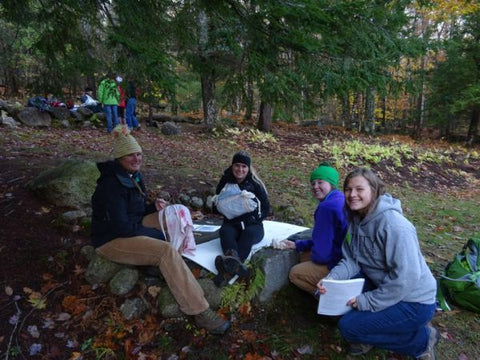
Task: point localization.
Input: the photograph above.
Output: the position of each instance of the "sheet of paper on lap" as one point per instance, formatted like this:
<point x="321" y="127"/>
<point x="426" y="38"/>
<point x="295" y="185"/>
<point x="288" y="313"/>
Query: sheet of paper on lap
<point x="205" y="253"/>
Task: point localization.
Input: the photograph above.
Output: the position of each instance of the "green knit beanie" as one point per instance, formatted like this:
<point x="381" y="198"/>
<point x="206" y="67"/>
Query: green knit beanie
<point x="326" y="173"/>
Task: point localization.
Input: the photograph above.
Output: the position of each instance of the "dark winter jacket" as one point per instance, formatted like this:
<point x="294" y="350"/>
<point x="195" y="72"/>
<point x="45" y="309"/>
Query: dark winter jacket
<point x="118" y="206"/>
<point x="252" y="186"/>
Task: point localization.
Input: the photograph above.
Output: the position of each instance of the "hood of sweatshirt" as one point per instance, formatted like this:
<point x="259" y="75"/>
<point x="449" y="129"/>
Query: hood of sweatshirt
<point x="385" y="203"/>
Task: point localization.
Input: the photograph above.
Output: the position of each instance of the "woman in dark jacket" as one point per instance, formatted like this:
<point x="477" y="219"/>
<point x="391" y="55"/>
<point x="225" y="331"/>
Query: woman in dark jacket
<point x="239" y="234"/>
<point x="125" y="229"/>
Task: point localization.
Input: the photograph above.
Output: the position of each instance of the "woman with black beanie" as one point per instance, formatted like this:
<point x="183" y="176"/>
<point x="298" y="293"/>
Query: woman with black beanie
<point x="239" y="234"/>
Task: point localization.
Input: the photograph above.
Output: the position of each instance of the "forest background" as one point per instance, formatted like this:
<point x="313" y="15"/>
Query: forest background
<point x="377" y="75"/>
<point x="367" y="65"/>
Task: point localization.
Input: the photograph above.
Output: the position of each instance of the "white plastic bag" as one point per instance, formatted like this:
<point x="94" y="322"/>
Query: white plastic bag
<point x="177" y="226"/>
<point x="233" y="202"/>
<point x="89" y="101"/>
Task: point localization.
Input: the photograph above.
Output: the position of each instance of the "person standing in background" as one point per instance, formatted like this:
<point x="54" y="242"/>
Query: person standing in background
<point x="121" y="102"/>
<point x="132" y="93"/>
<point x="109" y="97"/>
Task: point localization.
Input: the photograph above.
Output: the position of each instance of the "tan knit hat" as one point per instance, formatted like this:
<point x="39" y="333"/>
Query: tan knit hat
<point x="123" y="142"/>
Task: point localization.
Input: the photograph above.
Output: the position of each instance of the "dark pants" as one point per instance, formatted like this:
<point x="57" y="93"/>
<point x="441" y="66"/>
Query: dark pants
<point x="234" y="237"/>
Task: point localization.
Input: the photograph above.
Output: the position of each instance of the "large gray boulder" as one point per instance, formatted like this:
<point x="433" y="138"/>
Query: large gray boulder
<point x="170" y="128"/>
<point x="123" y="281"/>
<point x="276" y="265"/>
<point x="169" y="308"/>
<point x="70" y="185"/>
<point x="11" y="107"/>
<point x="8" y="122"/>
<point x="100" y="270"/>
<point x="34" y="117"/>
<point x="61" y="113"/>
<point x="133" y="308"/>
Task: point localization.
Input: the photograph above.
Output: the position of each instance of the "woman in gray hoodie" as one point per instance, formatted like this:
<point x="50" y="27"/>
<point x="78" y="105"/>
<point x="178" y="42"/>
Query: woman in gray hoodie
<point x="382" y="246"/>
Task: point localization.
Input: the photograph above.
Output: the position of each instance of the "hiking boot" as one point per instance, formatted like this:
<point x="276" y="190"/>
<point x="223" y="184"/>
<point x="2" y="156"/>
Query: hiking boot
<point x="359" y="349"/>
<point x="433" y="338"/>
<point x="221" y="278"/>
<point x="213" y="323"/>
<point x="233" y="265"/>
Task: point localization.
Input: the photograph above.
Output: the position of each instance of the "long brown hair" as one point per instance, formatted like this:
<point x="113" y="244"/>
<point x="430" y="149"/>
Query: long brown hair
<point x="376" y="185"/>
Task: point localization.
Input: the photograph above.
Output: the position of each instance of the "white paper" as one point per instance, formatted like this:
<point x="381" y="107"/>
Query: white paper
<point x="205" y="253"/>
<point x="334" y="301"/>
<point x="205" y="228"/>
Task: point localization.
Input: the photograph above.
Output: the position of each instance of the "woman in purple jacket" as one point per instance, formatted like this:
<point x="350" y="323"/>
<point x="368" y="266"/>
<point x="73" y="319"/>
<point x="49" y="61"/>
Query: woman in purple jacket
<point x="329" y="230"/>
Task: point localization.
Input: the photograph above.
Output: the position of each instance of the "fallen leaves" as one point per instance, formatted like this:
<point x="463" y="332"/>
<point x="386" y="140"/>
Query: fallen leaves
<point x="154" y="291"/>
<point x="73" y="316"/>
<point x="35" y="298"/>
<point x="74" y="305"/>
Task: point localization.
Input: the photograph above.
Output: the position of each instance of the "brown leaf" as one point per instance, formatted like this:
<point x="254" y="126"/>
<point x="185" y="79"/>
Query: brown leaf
<point x="254" y="356"/>
<point x="78" y="270"/>
<point x="245" y="309"/>
<point x="196" y="272"/>
<point x="249" y="336"/>
<point x="154" y="291"/>
<point x="74" y="305"/>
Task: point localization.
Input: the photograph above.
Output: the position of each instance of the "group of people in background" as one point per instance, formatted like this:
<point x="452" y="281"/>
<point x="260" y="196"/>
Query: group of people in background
<point x="118" y="103"/>
<point x="360" y="232"/>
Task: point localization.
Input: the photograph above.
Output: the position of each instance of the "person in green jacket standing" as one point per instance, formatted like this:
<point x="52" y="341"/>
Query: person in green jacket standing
<point x="109" y="96"/>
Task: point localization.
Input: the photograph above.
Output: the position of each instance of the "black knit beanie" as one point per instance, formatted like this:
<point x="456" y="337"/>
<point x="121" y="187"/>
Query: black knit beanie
<point x="241" y="157"/>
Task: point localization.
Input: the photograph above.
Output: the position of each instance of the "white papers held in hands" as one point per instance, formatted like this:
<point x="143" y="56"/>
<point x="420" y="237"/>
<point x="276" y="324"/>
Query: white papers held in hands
<point x="334" y="301"/>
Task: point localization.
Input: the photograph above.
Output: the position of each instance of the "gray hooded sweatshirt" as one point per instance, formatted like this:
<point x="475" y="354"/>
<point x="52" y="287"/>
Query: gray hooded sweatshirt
<point x="384" y="246"/>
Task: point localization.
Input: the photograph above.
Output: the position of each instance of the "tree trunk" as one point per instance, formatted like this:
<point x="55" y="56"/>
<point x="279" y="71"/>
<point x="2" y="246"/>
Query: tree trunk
<point x="473" y="127"/>
<point x="346" y="116"/>
<point x="356" y="112"/>
<point x="423" y="69"/>
<point x="249" y="99"/>
<point x="150" y="115"/>
<point x="370" y="111"/>
<point x="384" y="112"/>
<point x="447" y="131"/>
<point x="420" y="111"/>
<point x="210" y="110"/>
<point x="265" y="117"/>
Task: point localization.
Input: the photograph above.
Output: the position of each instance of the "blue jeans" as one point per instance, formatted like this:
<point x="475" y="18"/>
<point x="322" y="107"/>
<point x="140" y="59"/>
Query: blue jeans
<point x="132" y="121"/>
<point x="111" y="112"/>
<point x="400" y="328"/>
